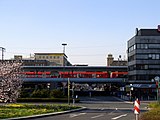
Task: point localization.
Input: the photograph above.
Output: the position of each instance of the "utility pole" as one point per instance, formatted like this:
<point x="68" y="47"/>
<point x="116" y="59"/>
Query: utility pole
<point x="3" y="49"/>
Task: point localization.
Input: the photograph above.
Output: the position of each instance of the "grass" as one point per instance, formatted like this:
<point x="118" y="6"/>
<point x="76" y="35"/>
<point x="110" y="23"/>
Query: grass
<point x="154" y="113"/>
<point x="19" y="110"/>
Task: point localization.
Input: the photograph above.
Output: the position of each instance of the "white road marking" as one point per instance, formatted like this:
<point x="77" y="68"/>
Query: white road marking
<point x="97" y="116"/>
<point x="115" y="118"/>
<point x="75" y="115"/>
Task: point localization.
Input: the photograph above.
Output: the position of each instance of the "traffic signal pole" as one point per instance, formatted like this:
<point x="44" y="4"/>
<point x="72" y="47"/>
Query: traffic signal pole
<point x="68" y="92"/>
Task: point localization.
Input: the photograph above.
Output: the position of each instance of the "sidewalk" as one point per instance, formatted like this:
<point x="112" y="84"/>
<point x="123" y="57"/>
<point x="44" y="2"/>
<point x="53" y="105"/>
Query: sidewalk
<point x="127" y="99"/>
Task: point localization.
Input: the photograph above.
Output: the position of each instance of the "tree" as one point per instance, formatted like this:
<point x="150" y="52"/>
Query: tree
<point x="10" y="80"/>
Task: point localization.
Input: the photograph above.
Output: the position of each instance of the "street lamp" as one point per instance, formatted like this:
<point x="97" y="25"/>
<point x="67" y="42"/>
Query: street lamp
<point x="131" y="89"/>
<point x="3" y="49"/>
<point x="64" y="44"/>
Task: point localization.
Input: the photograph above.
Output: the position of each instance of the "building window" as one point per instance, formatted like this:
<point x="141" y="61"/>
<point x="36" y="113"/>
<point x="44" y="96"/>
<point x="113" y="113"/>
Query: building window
<point x="131" y="58"/>
<point x="154" y="46"/>
<point x="154" y="67"/>
<point x="142" y="46"/>
<point x="141" y="67"/>
<point x="138" y="46"/>
<point x="145" y="67"/>
<point x="150" y="56"/>
<point x="154" y="56"/>
<point x="50" y="57"/>
<point x="157" y="56"/>
<point x="130" y="49"/>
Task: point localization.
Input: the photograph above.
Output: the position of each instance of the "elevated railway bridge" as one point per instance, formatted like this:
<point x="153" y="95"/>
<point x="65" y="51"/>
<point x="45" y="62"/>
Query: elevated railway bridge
<point x="111" y="78"/>
<point x="58" y="76"/>
<point x="79" y="74"/>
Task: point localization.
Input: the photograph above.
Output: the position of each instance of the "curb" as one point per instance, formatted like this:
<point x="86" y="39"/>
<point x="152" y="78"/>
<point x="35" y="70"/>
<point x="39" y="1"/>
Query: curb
<point x="46" y="115"/>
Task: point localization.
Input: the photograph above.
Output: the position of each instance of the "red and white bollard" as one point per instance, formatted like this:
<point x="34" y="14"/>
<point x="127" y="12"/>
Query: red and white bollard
<point x="137" y="108"/>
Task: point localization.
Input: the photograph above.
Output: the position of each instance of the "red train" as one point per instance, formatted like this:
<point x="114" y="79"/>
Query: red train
<point x="75" y="74"/>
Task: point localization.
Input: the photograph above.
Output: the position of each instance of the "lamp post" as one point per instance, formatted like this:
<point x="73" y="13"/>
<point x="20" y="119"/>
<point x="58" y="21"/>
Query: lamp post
<point x="68" y="91"/>
<point x="73" y="87"/>
<point x="64" y="44"/>
<point x="3" y="49"/>
<point x="131" y="89"/>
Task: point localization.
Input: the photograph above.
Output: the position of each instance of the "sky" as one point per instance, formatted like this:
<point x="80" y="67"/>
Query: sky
<point x="92" y="29"/>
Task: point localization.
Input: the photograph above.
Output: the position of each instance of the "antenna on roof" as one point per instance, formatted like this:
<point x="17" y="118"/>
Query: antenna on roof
<point x="136" y="31"/>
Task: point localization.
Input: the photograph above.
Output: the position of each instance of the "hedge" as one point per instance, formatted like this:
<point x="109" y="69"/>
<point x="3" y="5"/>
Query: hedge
<point x="46" y="100"/>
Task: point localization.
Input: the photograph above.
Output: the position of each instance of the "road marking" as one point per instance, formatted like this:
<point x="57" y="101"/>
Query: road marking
<point x="115" y="118"/>
<point x="75" y="115"/>
<point x="97" y="116"/>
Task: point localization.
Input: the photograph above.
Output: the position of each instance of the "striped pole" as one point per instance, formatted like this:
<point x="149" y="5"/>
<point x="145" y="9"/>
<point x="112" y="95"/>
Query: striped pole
<point x="137" y="108"/>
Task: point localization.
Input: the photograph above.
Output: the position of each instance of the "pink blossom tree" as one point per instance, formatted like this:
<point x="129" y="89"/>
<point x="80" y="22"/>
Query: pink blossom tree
<point x="10" y="80"/>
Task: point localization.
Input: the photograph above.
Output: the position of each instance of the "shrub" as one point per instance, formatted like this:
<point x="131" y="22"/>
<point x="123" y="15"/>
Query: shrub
<point x="46" y="100"/>
<point x="41" y="93"/>
<point x="153" y="114"/>
<point x="26" y="92"/>
<point x="44" y="93"/>
<point x="56" y="94"/>
<point x="154" y="105"/>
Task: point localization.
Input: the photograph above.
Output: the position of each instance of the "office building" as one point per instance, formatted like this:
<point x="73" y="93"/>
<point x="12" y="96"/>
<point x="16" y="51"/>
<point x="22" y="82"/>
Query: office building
<point x="55" y="59"/>
<point x="144" y="56"/>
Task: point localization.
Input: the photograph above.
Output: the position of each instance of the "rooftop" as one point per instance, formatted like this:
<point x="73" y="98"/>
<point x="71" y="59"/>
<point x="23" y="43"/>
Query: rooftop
<point x="148" y="32"/>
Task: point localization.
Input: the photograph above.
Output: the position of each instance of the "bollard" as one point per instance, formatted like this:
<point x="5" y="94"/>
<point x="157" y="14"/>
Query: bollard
<point x="137" y="108"/>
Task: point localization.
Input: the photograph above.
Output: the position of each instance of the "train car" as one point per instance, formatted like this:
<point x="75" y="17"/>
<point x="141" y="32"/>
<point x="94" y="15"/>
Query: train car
<point x="118" y="74"/>
<point x="84" y="74"/>
<point x="75" y="74"/>
<point x="37" y="74"/>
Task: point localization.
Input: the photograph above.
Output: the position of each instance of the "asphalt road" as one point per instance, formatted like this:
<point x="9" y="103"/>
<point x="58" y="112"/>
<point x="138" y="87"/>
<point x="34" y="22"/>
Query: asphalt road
<point x="100" y="108"/>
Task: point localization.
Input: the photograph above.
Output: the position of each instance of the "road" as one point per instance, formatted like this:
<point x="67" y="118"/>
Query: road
<point x="100" y="108"/>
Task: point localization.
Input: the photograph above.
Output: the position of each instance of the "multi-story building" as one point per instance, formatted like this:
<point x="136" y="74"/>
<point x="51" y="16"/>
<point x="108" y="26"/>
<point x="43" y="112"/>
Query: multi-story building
<point x="112" y="62"/>
<point x="30" y="61"/>
<point x="144" y="56"/>
<point x="55" y="59"/>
